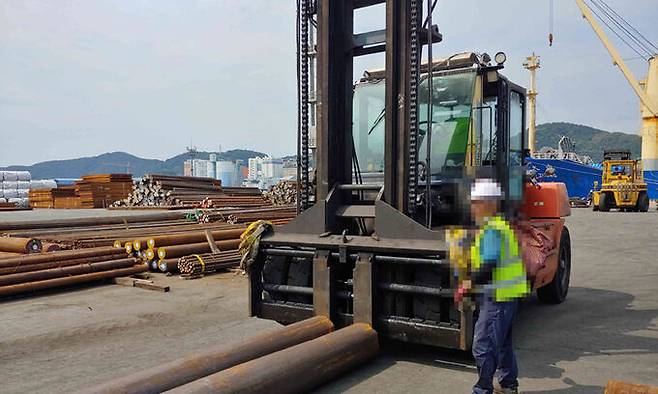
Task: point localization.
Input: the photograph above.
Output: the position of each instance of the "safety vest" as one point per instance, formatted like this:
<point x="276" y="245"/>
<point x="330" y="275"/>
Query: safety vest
<point x="509" y="276"/>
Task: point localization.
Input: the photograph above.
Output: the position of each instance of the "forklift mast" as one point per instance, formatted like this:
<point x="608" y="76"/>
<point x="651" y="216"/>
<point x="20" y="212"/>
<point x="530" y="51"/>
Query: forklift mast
<point x="372" y="246"/>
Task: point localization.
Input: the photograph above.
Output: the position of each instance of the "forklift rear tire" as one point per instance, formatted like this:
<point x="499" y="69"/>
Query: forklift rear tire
<point x="595" y="207"/>
<point x="643" y="202"/>
<point x="604" y="204"/>
<point x="556" y="291"/>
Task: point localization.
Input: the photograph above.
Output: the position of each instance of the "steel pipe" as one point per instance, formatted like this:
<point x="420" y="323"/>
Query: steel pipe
<point x="20" y="245"/>
<point x="57" y="256"/>
<point x="63" y="263"/>
<point x="296" y="369"/>
<point x="174" y="251"/>
<point x="71" y="280"/>
<point x="187" y="369"/>
<point x="193" y="237"/>
<point x="65" y="271"/>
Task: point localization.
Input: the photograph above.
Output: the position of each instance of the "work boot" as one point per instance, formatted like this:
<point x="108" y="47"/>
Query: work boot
<point x="501" y="390"/>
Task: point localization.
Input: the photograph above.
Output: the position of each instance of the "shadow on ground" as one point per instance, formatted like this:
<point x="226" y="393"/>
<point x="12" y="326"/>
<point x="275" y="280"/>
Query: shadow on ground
<point x="590" y="323"/>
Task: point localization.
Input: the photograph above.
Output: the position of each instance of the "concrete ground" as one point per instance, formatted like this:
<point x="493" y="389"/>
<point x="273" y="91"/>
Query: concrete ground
<point x="607" y="329"/>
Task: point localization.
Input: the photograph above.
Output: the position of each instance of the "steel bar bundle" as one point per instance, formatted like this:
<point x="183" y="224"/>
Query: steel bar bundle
<point x="283" y="193"/>
<point x="187" y="369"/>
<point x="20" y="245"/>
<point x="59" y="256"/>
<point x="61" y="263"/>
<point x="240" y="217"/>
<point x="297" y="369"/>
<point x="90" y="221"/>
<point x="193" y="237"/>
<point x="164" y="190"/>
<point x="77" y="269"/>
<point x="208" y="262"/>
<point x="69" y="280"/>
<point x="170" y="252"/>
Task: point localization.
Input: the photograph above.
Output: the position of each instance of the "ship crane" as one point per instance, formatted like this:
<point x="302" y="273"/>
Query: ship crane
<point x="646" y="90"/>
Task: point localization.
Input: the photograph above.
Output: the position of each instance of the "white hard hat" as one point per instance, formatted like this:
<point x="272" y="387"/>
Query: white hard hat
<point x="486" y="189"/>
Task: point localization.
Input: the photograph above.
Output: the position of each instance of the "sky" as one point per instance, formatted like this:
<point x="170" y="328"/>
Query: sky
<point x="81" y="78"/>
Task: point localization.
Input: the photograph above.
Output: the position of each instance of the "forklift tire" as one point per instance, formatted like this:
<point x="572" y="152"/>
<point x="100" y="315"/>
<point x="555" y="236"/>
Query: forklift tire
<point x="556" y="291"/>
<point x="604" y="204"/>
<point x="642" y="202"/>
<point x="275" y="271"/>
<point x="300" y="273"/>
<point x="595" y="208"/>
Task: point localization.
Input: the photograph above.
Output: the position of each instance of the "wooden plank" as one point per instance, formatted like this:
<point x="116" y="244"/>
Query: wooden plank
<point x="141" y="283"/>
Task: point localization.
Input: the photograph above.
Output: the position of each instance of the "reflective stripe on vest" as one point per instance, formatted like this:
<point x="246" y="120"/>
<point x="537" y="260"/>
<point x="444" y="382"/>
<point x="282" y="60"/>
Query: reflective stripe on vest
<point x="509" y="277"/>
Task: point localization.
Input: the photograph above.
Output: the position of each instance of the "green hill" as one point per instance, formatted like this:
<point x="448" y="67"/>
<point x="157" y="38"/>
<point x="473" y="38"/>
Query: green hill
<point x="121" y="162"/>
<point x="589" y="141"/>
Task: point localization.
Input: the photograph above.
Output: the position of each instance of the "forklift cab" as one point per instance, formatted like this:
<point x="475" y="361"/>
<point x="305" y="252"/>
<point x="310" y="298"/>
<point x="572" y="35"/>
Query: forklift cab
<point x="477" y="119"/>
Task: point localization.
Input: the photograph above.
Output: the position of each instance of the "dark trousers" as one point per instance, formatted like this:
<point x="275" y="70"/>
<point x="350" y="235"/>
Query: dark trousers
<point x="492" y="346"/>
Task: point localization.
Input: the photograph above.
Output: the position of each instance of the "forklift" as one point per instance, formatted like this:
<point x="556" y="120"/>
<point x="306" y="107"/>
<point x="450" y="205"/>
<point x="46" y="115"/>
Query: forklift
<point x="396" y="155"/>
<point x="622" y="184"/>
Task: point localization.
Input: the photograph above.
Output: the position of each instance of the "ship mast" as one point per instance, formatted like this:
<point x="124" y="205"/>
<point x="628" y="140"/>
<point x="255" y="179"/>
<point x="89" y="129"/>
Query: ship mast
<point x="532" y="64"/>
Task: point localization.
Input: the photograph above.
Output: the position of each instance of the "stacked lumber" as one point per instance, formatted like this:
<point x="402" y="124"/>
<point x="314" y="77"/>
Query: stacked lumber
<point x="283" y="193"/>
<point x="101" y="190"/>
<point x="65" y="198"/>
<point x="41" y="198"/>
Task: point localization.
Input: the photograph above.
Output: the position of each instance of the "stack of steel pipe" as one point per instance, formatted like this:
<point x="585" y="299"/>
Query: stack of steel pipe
<point x="283" y="193"/>
<point x="165" y="190"/>
<point x="176" y="251"/>
<point x="295" y="358"/>
<point x="286" y="213"/>
<point x="207" y="262"/>
<point x="63" y="268"/>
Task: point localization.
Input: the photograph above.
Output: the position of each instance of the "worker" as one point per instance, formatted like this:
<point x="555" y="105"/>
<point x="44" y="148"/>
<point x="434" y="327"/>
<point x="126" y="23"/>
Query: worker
<point x="498" y="280"/>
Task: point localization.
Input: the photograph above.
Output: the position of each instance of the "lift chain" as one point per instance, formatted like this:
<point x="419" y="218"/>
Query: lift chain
<point x="304" y="103"/>
<point x="414" y="61"/>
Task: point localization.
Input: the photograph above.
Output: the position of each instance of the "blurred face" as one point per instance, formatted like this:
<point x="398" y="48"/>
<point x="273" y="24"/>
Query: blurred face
<point x="481" y="209"/>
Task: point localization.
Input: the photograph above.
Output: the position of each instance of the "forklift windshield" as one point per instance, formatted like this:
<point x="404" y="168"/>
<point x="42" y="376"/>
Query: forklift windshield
<point x="452" y="101"/>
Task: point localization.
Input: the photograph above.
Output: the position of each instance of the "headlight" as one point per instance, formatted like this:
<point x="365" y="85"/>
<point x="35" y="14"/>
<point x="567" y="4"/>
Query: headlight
<point x="500" y="58"/>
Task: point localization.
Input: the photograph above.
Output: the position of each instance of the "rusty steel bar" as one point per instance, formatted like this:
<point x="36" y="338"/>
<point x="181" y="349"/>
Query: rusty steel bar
<point x="50" y="247"/>
<point x="63" y="263"/>
<point x="91" y="221"/>
<point x="193" y="237"/>
<point x="57" y="256"/>
<point x="71" y="280"/>
<point x="187" y="369"/>
<point x="296" y="369"/>
<point x="4" y="255"/>
<point x="65" y="271"/>
<point x="170" y="252"/>
<point x="20" y="245"/>
<point x="168" y="265"/>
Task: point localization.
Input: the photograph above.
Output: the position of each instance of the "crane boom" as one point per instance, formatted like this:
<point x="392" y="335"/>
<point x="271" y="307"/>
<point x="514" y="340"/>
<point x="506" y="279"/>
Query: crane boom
<point x="650" y="105"/>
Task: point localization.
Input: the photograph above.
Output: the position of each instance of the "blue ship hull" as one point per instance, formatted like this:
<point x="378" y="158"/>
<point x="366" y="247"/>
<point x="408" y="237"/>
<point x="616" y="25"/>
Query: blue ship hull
<point x="579" y="178"/>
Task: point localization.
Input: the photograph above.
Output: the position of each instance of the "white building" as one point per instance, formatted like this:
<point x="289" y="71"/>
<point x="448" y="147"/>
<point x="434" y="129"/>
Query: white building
<point x="265" y="168"/>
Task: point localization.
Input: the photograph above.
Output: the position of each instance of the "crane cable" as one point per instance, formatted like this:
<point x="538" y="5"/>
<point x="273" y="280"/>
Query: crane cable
<point x="551" y="22"/>
<point x="620" y="27"/>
